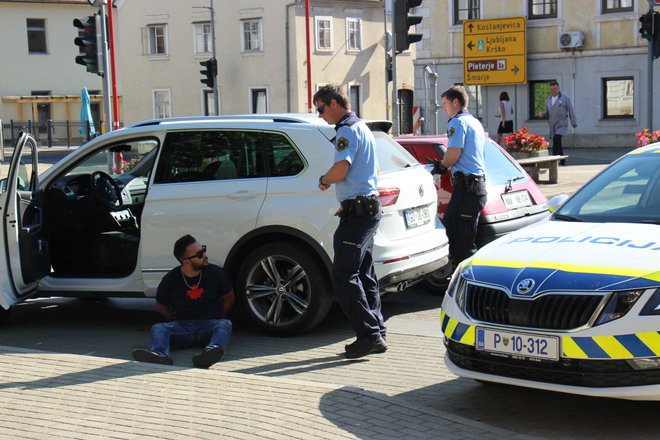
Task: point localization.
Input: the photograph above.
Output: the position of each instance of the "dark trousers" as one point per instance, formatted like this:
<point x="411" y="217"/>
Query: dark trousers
<point x="353" y="278"/>
<point x="461" y="220"/>
<point x="557" y="150"/>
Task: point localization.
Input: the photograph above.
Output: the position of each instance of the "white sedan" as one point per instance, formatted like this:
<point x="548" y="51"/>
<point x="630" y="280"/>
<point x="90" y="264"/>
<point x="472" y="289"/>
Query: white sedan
<point x="571" y="304"/>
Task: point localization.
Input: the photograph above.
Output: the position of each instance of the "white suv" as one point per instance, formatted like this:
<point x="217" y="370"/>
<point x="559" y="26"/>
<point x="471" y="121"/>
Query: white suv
<point x="103" y="220"/>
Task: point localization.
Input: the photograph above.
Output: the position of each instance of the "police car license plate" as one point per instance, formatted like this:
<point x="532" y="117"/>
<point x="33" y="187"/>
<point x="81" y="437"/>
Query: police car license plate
<point x="518" y="344"/>
<point x="517" y="199"/>
<point x="417" y="217"/>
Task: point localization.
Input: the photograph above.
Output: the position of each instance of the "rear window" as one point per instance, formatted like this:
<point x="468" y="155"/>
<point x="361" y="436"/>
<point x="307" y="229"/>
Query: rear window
<point x="499" y="168"/>
<point x="391" y="156"/>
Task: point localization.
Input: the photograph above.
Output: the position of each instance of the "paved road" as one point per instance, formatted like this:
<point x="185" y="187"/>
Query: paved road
<point x="411" y="373"/>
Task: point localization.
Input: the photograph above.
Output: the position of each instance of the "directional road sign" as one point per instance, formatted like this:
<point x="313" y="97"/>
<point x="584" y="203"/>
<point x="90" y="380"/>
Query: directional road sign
<point x="495" y="51"/>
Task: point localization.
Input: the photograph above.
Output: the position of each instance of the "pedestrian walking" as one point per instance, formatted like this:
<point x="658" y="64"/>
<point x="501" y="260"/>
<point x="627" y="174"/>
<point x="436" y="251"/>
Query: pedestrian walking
<point x="506" y="116"/>
<point x="355" y="176"/>
<point x="465" y="157"/>
<point x="558" y="110"/>
<point x="195" y="298"/>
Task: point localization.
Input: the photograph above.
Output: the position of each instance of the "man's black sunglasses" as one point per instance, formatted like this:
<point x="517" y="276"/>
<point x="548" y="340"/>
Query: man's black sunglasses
<point x="321" y="108"/>
<point x="199" y="254"/>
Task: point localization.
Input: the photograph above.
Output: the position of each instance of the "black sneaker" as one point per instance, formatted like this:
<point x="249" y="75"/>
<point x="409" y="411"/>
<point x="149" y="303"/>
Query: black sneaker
<point x="144" y="355"/>
<point x="208" y="357"/>
<point x="364" y="346"/>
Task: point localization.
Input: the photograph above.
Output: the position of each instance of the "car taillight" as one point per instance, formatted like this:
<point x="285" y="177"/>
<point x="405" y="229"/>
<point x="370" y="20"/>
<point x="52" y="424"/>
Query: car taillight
<point x="388" y="196"/>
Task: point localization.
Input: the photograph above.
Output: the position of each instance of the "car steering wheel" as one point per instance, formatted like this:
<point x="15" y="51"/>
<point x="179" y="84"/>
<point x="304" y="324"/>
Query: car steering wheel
<point x="105" y="190"/>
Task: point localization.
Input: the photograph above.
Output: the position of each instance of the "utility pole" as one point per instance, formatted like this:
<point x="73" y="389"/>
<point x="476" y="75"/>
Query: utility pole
<point x="649" y="75"/>
<point x="216" y="93"/>
<point x="107" y="107"/>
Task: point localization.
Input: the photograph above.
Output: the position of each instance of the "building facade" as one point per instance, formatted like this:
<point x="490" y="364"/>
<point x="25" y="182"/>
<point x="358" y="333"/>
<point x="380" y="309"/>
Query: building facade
<point x="39" y="80"/>
<point x="261" y="53"/>
<point x="602" y="65"/>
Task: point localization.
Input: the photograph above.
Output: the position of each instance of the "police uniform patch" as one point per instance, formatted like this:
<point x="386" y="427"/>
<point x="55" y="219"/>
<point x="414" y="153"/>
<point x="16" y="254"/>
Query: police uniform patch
<point x="451" y="132"/>
<point x="342" y="144"/>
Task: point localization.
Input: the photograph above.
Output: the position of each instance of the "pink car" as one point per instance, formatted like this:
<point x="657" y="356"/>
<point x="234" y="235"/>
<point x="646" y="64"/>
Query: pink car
<point x="514" y="199"/>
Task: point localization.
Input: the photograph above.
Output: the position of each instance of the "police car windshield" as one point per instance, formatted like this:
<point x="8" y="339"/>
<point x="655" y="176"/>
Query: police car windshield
<point x="628" y="191"/>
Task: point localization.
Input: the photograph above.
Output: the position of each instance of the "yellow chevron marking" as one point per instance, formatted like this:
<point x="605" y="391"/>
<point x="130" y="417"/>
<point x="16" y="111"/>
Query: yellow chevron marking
<point x="571" y="349"/>
<point x="442" y="316"/>
<point x="451" y="326"/>
<point x="651" y="340"/>
<point x="612" y="347"/>
<point x="468" y="338"/>
<point x="639" y="273"/>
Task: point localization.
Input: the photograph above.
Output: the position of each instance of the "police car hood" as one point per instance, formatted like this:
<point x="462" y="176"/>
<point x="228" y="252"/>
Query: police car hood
<point x="558" y="255"/>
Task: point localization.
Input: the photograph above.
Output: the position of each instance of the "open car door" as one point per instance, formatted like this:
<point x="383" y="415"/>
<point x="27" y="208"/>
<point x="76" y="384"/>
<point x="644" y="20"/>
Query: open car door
<point x="25" y="258"/>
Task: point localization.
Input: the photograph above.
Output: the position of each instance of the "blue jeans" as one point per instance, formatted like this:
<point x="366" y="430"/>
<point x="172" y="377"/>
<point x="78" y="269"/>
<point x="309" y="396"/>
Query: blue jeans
<point x="188" y="333"/>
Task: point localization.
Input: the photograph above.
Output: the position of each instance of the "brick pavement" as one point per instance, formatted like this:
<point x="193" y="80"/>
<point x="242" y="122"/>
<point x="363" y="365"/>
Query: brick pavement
<point x="57" y="395"/>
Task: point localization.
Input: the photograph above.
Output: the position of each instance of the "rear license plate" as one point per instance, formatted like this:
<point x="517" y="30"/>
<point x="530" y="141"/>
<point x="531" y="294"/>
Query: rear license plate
<point x="518" y="199"/>
<point x="518" y="344"/>
<point x="417" y="217"/>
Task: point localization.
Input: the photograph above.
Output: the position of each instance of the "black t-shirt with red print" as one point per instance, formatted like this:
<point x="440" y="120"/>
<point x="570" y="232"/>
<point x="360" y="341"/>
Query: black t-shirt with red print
<point x="194" y="298"/>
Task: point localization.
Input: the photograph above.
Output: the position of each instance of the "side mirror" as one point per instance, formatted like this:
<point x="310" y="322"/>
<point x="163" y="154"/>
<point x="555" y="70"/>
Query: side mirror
<point x="556" y="202"/>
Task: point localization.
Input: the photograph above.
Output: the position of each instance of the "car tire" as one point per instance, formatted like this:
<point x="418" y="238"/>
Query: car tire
<point x="284" y="289"/>
<point x="438" y="281"/>
<point x="4" y="315"/>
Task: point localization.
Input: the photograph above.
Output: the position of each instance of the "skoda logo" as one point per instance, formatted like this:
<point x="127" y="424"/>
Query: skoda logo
<point x="525" y="286"/>
<point x="421" y="191"/>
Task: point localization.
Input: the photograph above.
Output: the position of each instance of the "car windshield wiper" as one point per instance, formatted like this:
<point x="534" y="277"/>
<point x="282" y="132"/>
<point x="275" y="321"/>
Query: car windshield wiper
<point x="509" y="183"/>
<point x="568" y="218"/>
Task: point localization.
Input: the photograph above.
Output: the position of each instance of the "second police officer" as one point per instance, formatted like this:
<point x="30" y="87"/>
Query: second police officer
<point x="465" y="157"/>
<point x="354" y="174"/>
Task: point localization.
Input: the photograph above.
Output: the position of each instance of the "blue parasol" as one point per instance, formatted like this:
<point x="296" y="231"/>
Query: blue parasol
<point x="86" y="115"/>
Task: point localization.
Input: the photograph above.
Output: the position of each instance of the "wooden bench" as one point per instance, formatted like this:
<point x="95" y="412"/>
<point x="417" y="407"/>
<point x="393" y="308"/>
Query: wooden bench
<point x="534" y="164"/>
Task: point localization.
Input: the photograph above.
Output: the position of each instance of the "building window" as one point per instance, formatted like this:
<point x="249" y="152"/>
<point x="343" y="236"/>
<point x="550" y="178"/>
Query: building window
<point x="162" y="103"/>
<point x="618" y="96"/>
<point x="617" y="6"/>
<point x="203" y="44"/>
<point x="466" y="10"/>
<point x="538" y="93"/>
<point x="354" y="96"/>
<point x="154" y="40"/>
<point x="251" y="41"/>
<point x="36" y="35"/>
<point x="353" y="34"/>
<point x="258" y="100"/>
<point x="323" y="33"/>
<point x="542" y="9"/>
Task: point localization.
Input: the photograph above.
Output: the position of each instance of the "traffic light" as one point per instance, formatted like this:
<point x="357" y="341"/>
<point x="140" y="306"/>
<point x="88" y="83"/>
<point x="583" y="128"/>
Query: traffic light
<point x="656" y="35"/>
<point x="87" y="42"/>
<point x="402" y="23"/>
<point x="210" y="71"/>
<point x="646" y="27"/>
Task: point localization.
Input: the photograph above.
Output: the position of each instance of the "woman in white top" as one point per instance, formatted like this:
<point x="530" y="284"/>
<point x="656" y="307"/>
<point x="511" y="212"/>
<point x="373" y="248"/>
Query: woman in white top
<point x="505" y="115"/>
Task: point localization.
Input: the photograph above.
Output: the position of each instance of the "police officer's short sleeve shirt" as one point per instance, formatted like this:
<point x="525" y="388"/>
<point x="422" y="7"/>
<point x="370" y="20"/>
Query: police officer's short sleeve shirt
<point x="356" y="144"/>
<point x="466" y="132"/>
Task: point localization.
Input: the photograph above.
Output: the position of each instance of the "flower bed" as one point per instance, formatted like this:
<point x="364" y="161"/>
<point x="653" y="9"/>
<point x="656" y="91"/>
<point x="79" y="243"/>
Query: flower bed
<point x="647" y="136"/>
<point x="522" y="141"/>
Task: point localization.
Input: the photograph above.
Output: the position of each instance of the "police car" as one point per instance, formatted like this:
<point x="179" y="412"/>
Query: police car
<point x="571" y="304"/>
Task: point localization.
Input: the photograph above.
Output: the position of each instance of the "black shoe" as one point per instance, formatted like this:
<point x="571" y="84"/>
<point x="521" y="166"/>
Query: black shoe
<point x="380" y="348"/>
<point x="208" y="357"/>
<point x="364" y="346"/>
<point x="144" y="355"/>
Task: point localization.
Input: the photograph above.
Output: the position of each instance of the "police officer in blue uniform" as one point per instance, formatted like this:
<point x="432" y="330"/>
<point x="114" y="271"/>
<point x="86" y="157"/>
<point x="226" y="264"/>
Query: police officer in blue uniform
<point x="465" y="157"/>
<point x="355" y="176"/>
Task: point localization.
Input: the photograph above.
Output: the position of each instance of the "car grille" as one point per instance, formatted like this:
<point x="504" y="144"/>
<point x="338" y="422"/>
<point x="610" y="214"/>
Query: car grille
<point x="552" y="311"/>
<point x="577" y="372"/>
